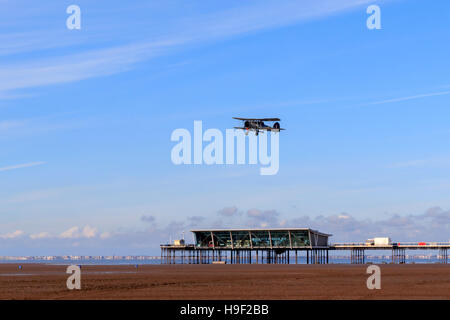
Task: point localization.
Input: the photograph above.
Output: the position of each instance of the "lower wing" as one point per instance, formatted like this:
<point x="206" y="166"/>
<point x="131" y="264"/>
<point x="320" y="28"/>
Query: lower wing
<point x="271" y="129"/>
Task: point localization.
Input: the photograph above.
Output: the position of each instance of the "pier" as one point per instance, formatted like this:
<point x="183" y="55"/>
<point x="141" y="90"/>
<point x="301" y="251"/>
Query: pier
<point x="280" y="246"/>
<point x="189" y="254"/>
<point x="398" y="250"/>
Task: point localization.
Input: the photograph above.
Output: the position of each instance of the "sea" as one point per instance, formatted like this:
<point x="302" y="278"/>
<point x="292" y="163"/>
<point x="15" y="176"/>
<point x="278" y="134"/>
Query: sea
<point x="157" y="260"/>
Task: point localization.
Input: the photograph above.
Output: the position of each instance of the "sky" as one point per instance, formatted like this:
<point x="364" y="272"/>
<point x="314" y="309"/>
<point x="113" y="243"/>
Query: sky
<point x="86" y="118"/>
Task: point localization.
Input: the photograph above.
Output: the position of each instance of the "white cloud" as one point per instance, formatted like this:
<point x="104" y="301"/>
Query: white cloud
<point x="76" y="233"/>
<point x="89" y="232"/>
<point x="12" y="235"/>
<point x="41" y="235"/>
<point x="71" y="233"/>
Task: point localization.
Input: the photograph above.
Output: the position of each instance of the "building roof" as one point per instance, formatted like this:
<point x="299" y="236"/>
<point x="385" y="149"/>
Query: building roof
<point x="265" y="229"/>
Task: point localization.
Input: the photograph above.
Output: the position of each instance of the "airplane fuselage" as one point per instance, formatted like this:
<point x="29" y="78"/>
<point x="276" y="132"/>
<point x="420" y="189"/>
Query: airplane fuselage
<point x="255" y="125"/>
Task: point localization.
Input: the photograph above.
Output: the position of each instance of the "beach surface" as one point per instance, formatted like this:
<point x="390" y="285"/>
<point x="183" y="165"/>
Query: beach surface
<point x="217" y="282"/>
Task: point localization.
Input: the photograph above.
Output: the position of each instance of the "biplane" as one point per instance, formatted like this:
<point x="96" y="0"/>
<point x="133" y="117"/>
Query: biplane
<point x="258" y="125"/>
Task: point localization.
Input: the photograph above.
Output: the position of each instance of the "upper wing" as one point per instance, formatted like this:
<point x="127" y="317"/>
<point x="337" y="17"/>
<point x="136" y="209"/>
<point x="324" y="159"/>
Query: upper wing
<point x="261" y="119"/>
<point x="243" y="118"/>
<point x="270" y="119"/>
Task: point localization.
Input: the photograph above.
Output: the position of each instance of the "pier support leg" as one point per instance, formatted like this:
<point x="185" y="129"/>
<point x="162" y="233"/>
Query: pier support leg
<point x="443" y="255"/>
<point x="357" y="256"/>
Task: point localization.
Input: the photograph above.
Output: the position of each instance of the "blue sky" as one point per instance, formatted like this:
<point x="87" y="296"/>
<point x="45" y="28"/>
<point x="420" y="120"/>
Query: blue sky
<point x="86" y="117"/>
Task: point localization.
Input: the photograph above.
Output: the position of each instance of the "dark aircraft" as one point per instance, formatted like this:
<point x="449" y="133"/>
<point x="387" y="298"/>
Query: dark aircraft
<point x="258" y="125"/>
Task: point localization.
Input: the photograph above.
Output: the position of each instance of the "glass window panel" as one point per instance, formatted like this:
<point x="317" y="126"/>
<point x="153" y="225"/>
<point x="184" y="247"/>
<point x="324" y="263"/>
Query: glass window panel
<point x="222" y="239"/>
<point x="202" y="238"/>
<point x="260" y="239"/>
<point x="280" y="238"/>
<point x="300" y="238"/>
<point x="241" y="239"/>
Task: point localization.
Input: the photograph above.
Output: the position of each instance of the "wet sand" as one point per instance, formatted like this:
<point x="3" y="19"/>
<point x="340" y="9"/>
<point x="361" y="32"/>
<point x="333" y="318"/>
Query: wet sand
<point x="217" y="282"/>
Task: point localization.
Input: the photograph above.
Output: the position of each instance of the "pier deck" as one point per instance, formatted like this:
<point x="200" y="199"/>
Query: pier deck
<point x="192" y="254"/>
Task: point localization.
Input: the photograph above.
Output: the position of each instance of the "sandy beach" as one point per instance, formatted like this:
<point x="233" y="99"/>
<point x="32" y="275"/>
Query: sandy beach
<point x="216" y="282"/>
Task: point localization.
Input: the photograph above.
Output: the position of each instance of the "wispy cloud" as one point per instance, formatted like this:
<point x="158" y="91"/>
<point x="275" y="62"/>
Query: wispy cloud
<point x="24" y="165"/>
<point x="7" y="125"/>
<point x="414" y="97"/>
<point x="258" y="16"/>
<point x="21" y="42"/>
<point x="77" y="67"/>
<point x="421" y="163"/>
